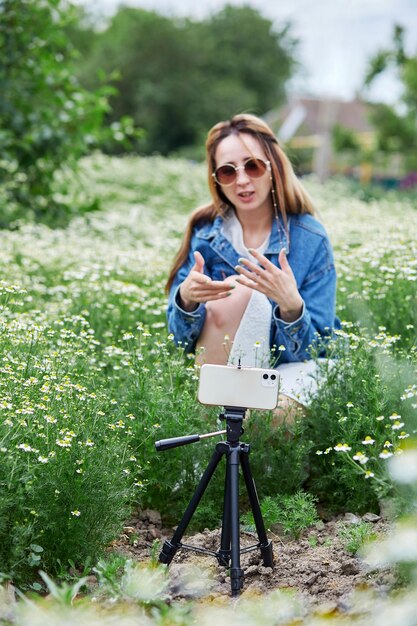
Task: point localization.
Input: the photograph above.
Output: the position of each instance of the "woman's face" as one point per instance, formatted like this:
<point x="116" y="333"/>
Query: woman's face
<point x="246" y="194"/>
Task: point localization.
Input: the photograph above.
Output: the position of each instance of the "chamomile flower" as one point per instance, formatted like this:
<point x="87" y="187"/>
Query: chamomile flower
<point x="403" y="435"/>
<point x="361" y="457"/>
<point x="64" y="443"/>
<point x="368" y="441"/>
<point x="394" y="416"/>
<point x="385" y="454"/>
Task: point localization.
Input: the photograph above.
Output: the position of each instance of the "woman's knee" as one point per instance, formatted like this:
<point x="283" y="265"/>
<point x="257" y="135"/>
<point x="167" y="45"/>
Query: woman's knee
<point x="288" y="411"/>
<point x="222" y="313"/>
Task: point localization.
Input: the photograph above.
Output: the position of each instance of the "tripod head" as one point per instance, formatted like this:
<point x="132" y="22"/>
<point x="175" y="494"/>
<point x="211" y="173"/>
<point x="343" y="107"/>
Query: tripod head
<point x="227" y="386"/>
<point x="232" y="415"/>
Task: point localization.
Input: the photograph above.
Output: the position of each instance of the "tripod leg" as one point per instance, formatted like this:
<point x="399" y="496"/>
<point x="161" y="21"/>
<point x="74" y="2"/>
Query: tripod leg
<point x="223" y="555"/>
<point x="170" y="547"/>
<point x="264" y="544"/>
<point x="236" y="573"/>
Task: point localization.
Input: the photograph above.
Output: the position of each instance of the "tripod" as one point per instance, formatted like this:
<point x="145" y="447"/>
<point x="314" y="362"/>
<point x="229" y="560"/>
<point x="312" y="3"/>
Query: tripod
<point x="236" y="454"/>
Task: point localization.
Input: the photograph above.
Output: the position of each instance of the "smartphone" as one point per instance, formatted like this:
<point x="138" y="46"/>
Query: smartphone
<point x="246" y="387"/>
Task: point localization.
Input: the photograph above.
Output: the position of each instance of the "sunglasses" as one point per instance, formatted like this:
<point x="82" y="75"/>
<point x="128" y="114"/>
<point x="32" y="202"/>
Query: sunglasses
<point x="227" y="174"/>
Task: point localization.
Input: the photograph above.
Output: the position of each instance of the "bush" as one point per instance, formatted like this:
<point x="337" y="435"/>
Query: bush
<point x="294" y="513"/>
<point x="353" y="422"/>
<point x="47" y="119"/>
<point x="66" y="470"/>
<point x="279" y="453"/>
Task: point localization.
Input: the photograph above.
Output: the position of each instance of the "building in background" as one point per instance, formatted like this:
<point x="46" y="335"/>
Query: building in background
<point x="318" y="131"/>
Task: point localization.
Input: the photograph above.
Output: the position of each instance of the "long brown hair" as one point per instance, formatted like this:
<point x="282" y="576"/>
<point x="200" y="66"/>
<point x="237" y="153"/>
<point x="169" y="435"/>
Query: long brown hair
<point x="291" y="196"/>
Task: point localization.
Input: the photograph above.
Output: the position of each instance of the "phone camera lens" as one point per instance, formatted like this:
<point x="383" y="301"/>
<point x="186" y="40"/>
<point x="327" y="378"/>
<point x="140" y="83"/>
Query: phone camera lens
<point x="265" y="376"/>
<point x="273" y="377"/>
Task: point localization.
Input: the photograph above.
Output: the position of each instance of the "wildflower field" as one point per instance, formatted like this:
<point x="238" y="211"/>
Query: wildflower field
<point x="90" y="380"/>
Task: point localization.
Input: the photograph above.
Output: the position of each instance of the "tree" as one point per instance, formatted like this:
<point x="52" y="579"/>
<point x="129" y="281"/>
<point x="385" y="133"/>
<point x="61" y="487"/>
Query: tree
<point x="47" y="120"/>
<point x="397" y="129"/>
<point x="147" y="59"/>
<point x="246" y="47"/>
<point x="177" y="77"/>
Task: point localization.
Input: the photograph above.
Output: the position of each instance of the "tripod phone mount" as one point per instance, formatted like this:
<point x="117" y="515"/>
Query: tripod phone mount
<point x="236" y="454"/>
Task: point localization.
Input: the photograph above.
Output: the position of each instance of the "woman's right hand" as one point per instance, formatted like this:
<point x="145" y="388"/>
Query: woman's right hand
<point x="198" y="287"/>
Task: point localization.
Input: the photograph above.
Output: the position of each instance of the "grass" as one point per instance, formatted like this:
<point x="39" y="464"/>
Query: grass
<point x="355" y="536"/>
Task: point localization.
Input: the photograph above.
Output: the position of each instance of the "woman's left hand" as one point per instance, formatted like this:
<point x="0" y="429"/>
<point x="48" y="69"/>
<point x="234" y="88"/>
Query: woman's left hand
<point x="278" y="284"/>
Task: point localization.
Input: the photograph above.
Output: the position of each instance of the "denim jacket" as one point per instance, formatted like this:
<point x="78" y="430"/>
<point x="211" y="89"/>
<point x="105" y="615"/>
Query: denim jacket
<point x="310" y="256"/>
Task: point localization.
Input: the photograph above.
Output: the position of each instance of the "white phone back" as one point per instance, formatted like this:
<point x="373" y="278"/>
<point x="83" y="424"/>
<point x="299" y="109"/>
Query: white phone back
<point x="246" y="387"/>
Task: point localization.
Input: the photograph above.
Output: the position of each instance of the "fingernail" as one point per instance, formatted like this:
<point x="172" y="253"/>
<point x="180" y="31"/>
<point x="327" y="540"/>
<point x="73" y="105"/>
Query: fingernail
<point x="251" y="250"/>
<point x="237" y="267"/>
<point x="241" y="259"/>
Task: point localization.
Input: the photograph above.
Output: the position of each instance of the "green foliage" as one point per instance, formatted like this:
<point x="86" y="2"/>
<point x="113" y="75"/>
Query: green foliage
<point x="109" y="571"/>
<point x="280" y="453"/>
<point x="84" y="350"/>
<point x="301" y="159"/>
<point x="64" y="492"/>
<point x="160" y="390"/>
<point x="344" y="139"/>
<point x="123" y="579"/>
<point x="371" y="192"/>
<point x="353" y="424"/>
<point x="355" y="536"/>
<point x="64" y="594"/>
<point x="385" y="300"/>
<point x="245" y="47"/>
<point x="396" y="130"/>
<point x="47" y="120"/>
<point x="193" y="72"/>
<point x="294" y="513"/>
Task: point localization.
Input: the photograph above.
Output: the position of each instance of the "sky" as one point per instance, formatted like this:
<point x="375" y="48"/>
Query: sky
<point x="337" y="37"/>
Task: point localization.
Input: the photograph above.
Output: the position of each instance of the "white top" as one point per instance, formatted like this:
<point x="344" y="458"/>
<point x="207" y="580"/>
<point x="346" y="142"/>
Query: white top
<point x="250" y="346"/>
<point x="232" y="230"/>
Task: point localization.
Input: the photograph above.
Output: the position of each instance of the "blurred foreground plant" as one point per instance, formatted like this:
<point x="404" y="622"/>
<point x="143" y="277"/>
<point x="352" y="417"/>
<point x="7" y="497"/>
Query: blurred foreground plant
<point x="358" y="420"/>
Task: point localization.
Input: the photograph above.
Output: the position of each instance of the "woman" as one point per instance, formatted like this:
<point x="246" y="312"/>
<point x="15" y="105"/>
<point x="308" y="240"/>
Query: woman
<point x="255" y="266"/>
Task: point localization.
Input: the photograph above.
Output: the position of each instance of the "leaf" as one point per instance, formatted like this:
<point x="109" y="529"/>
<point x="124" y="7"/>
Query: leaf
<point x="35" y="548"/>
<point x="35" y="558"/>
<point x="36" y="587"/>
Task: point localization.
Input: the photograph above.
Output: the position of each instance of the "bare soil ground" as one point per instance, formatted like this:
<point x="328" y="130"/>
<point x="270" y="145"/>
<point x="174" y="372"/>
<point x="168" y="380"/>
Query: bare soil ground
<point x="317" y="565"/>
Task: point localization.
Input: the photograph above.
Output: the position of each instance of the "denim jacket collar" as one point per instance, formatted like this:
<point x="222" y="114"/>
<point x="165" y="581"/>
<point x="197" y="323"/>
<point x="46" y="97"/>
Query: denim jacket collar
<point x="279" y="236"/>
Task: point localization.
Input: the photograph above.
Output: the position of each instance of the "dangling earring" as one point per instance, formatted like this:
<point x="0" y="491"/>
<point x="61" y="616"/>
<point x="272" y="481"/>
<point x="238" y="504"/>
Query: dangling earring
<point x="274" y="201"/>
<point x="279" y="227"/>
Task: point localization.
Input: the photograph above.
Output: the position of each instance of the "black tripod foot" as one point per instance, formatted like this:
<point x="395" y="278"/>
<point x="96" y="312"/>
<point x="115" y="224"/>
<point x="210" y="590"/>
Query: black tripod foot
<point x="168" y="552"/>
<point x="236" y="580"/>
<point x="267" y="554"/>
